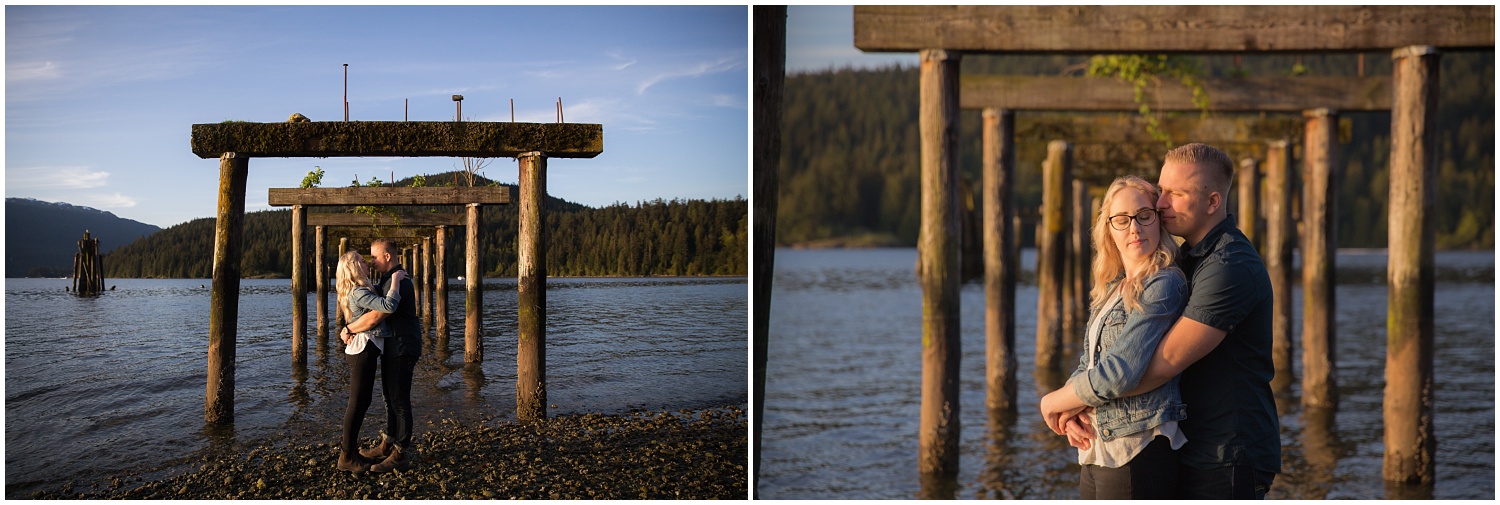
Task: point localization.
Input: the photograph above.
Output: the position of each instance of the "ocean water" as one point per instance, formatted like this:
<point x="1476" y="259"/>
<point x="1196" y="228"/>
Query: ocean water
<point x="844" y="373"/>
<point x="96" y="386"/>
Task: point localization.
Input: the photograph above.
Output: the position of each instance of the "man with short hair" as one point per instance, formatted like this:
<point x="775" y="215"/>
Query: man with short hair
<point x="397" y="362"/>
<point x="1222" y="343"/>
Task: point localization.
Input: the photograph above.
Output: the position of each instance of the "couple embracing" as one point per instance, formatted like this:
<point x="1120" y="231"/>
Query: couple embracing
<point x="382" y="326"/>
<point x="1172" y="397"/>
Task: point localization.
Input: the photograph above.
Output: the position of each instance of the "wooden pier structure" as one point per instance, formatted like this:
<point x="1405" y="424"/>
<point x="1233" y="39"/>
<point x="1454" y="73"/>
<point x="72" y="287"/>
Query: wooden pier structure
<point x="234" y="143"/>
<point x="1415" y="35"/>
<point x="88" y="267"/>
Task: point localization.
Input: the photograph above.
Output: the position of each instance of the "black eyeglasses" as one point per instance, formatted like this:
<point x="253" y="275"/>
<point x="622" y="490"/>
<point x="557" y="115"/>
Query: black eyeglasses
<point x="1122" y="221"/>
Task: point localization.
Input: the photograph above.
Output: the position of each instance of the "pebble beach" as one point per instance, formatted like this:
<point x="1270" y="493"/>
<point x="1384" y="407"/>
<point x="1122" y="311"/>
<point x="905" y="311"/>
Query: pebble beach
<point x="686" y="454"/>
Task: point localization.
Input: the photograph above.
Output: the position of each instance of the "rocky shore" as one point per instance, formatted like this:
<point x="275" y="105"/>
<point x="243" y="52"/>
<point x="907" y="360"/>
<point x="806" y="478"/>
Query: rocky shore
<point x="700" y="454"/>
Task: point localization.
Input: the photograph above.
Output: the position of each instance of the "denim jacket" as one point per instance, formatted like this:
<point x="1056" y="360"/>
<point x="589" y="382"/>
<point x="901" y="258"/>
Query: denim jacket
<point x="1126" y="343"/>
<point x="363" y="299"/>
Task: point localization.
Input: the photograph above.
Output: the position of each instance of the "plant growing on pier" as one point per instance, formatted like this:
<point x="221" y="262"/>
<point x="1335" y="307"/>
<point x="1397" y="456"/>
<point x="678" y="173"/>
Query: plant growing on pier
<point x="375" y="211"/>
<point x="1140" y="70"/>
<point x="313" y="179"/>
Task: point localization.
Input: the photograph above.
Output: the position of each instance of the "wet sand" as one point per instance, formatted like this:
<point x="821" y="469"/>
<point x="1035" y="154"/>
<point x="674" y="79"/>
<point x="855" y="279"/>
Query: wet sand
<point x="700" y="454"/>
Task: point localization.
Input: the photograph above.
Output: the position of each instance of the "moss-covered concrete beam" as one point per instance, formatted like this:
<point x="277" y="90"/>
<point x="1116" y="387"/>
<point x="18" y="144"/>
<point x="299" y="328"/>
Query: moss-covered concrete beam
<point x="397" y="138"/>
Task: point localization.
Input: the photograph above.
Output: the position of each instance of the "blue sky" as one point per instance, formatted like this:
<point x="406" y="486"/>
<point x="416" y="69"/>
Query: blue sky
<point x="821" y="37"/>
<point x="100" y="101"/>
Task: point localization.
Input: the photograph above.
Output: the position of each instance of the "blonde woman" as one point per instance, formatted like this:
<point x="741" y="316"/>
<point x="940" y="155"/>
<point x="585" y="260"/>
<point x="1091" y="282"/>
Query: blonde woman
<point x="1138" y="294"/>
<point x="357" y="297"/>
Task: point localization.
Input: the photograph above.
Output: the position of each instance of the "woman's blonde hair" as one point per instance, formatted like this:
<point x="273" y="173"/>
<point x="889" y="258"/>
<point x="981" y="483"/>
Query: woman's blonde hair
<point x="1108" y="266"/>
<point x="351" y="273"/>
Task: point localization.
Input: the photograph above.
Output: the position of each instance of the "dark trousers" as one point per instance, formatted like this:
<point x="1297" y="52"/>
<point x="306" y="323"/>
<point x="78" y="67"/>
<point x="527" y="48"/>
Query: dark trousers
<point x="361" y="388"/>
<point x="395" y="384"/>
<point x="1239" y="482"/>
<point x="1151" y="475"/>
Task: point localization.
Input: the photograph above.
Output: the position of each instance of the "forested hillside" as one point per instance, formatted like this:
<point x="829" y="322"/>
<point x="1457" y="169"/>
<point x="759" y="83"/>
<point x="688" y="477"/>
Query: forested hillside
<point x="675" y="237"/>
<point x="42" y="237"/>
<point x="850" y="154"/>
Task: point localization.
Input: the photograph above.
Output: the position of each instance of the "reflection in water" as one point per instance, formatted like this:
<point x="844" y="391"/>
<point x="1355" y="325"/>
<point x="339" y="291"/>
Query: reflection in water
<point x="997" y="480"/>
<point x="1403" y="491"/>
<point x="938" y="486"/>
<point x="474" y="380"/>
<point x="1320" y="449"/>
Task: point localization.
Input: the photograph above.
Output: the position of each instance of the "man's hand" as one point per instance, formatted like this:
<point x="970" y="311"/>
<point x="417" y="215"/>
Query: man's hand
<point x="346" y="336"/>
<point x="1058" y="404"/>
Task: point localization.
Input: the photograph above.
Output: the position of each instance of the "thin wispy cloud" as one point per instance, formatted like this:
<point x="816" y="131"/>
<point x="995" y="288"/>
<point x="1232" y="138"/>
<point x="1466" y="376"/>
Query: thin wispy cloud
<point x="109" y="201"/>
<point x="55" y="178"/>
<point x="709" y="67"/>
<point x="624" y="64"/>
<point x="22" y="71"/>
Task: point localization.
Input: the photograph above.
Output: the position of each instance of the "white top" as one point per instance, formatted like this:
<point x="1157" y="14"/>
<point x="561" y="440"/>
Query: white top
<point x="357" y="344"/>
<point x="1119" y="451"/>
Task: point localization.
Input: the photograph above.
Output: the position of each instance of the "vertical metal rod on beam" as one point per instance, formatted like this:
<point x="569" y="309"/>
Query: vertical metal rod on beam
<point x="1409" y="437"/>
<point x="1050" y="253"/>
<point x="1278" y="256"/>
<point x="938" y="428"/>
<point x="1249" y="197"/>
<point x="1320" y="183"/>
<point x="224" y="300"/>
<point x="473" y="290"/>
<point x="338" y="315"/>
<point x="320" y="271"/>
<point x="531" y="287"/>
<point x="346" y="92"/>
<point x="769" y="84"/>
<point x="440" y="278"/>
<point x="1000" y="267"/>
<point x="299" y="285"/>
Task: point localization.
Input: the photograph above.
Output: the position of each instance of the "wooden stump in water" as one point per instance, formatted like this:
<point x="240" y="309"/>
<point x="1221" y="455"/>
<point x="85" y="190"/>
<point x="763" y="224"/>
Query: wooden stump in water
<point x="88" y="270"/>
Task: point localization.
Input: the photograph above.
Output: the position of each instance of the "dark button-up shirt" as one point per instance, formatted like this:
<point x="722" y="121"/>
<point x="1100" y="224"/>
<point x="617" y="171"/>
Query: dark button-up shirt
<point x="406" y="328"/>
<point x="1231" y="413"/>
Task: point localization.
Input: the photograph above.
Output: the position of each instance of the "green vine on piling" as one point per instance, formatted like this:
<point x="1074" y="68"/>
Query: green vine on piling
<point x="1140" y="70"/>
<point x="375" y="211"/>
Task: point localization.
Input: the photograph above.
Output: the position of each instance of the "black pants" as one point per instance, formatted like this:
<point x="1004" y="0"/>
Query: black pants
<point x="1239" y="482"/>
<point x="1151" y="475"/>
<point x="395" y="384"/>
<point x="361" y="387"/>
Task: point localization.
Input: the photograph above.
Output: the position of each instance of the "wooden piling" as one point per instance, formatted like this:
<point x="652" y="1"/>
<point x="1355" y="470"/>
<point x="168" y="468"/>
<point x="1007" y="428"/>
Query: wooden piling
<point x="440" y="279"/>
<point x="320" y="269"/>
<point x="338" y="315"/>
<point x="769" y="82"/>
<point x="1278" y="256"/>
<point x="1409" y="435"/>
<point x="299" y="285"/>
<point x="938" y="429"/>
<point x="224" y="298"/>
<point x="88" y="267"/>
<point x="473" y="290"/>
<point x="1249" y="202"/>
<point x="1320" y="182"/>
<point x="1051" y="249"/>
<point x="531" y="268"/>
<point x="426" y="307"/>
<point x="999" y="230"/>
<point x="1079" y="256"/>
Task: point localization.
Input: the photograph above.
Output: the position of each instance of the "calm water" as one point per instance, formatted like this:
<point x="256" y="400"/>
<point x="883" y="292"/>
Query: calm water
<point x="844" y="374"/>
<point x="94" y="386"/>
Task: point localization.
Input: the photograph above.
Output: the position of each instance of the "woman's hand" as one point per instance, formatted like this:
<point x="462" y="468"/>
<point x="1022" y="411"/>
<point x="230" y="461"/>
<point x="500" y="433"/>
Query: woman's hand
<point x="1058" y="406"/>
<point x="346" y="336"/>
<point x="1080" y="430"/>
<point x="398" y="275"/>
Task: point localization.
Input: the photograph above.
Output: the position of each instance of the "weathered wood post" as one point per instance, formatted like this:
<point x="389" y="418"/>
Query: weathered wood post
<point x="531" y="268"/>
<point x="1320" y="182"/>
<point x="440" y="278"/>
<point x="320" y="269"/>
<point x="1050" y="256"/>
<point x="473" y="290"/>
<point x="426" y="307"/>
<point x="1249" y="200"/>
<point x="938" y="428"/>
<point x="999" y="259"/>
<point x="88" y="268"/>
<point x="299" y="285"/>
<point x="1409" y="436"/>
<point x="1278" y="257"/>
<point x="224" y="299"/>
<point x="769" y="81"/>
<point x="1079" y="265"/>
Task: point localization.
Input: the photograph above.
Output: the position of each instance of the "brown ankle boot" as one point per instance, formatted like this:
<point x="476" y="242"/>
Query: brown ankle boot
<point x="380" y="452"/>
<point x="353" y="462"/>
<point x="396" y="461"/>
